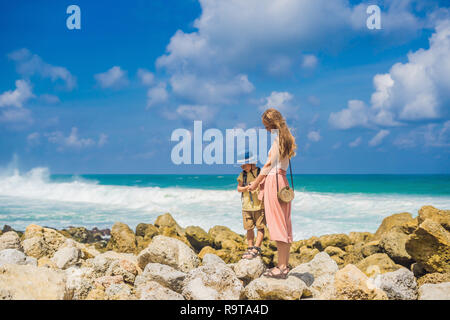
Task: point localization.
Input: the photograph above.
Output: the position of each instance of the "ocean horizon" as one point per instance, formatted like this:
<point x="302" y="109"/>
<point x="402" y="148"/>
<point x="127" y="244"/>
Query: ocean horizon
<point x="323" y="204"/>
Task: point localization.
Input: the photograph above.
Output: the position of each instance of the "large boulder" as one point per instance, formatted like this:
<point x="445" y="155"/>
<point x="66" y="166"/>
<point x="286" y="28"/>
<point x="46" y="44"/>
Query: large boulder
<point x="321" y="264"/>
<point x="393" y="244"/>
<point x="352" y="284"/>
<point x="198" y="237"/>
<point x="125" y="268"/>
<point x="440" y="291"/>
<point x="162" y="274"/>
<point x="120" y="291"/>
<point x="398" y="285"/>
<point x="81" y="234"/>
<point x="356" y="237"/>
<point x="211" y="258"/>
<point x="339" y="240"/>
<point x="153" y="290"/>
<point x="265" y="288"/>
<point x="14" y="256"/>
<point x="434" y="278"/>
<point x="79" y="282"/>
<point x="101" y="263"/>
<point x="144" y="235"/>
<point x="212" y="282"/>
<point x="166" y="220"/>
<point x="440" y="216"/>
<point x="370" y="248"/>
<point x="39" y="241"/>
<point x="318" y="275"/>
<point x="26" y="282"/>
<point x="122" y="239"/>
<point x="337" y="254"/>
<point x="66" y="257"/>
<point x="430" y="246"/>
<point x="220" y="234"/>
<point x="10" y="240"/>
<point x="377" y="264"/>
<point x="249" y="269"/>
<point x="403" y="222"/>
<point x="169" y="251"/>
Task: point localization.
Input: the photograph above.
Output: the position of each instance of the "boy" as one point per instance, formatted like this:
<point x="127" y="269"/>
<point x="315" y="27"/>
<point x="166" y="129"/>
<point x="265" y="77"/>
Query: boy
<point x="252" y="207"/>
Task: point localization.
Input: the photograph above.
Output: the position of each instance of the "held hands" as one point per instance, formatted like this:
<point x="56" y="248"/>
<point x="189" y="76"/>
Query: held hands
<point x="252" y="187"/>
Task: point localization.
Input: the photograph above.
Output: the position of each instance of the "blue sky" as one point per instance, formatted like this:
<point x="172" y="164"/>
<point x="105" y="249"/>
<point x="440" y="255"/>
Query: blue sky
<point x="106" y="98"/>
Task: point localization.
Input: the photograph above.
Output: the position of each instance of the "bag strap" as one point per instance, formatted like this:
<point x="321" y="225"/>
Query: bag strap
<point x="290" y="170"/>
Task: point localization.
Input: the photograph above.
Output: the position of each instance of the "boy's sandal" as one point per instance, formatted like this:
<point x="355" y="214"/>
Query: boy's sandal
<point x="282" y="275"/>
<point x="251" y="253"/>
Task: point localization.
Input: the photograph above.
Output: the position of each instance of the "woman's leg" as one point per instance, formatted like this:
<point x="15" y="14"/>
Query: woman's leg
<point x="283" y="254"/>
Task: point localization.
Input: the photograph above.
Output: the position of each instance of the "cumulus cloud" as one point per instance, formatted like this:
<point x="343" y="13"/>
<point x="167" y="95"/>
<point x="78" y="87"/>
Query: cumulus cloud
<point x="17" y="97"/>
<point x="195" y="112"/>
<point x="146" y="77"/>
<point x="29" y="64"/>
<point x="430" y="135"/>
<point x="378" y="138"/>
<point x="314" y="136"/>
<point x="417" y="90"/>
<point x="309" y="61"/>
<point x="210" y="90"/>
<point x="355" y="142"/>
<point x="113" y="78"/>
<point x="157" y="95"/>
<point x="73" y="140"/>
<point x="282" y="101"/>
<point x="353" y="116"/>
<point x="232" y="38"/>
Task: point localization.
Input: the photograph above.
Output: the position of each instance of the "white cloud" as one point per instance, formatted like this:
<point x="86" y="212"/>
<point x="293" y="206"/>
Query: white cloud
<point x="16" y="115"/>
<point x="157" y="95"/>
<point x="355" y="142"/>
<point x="337" y="145"/>
<point x="71" y="141"/>
<point x="314" y="136"/>
<point x="282" y="101"/>
<point x="417" y="90"/>
<point x="378" y="138"/>
<point x="309" y="61"/>
<point x="146" y="77"/>
<point x="33" y="139"/>
<point x="113" y="78"/>
<point x="102" y="140"/>
<point x="29" y="64"/>
<point x="430" y="135"/>
<point x="17" y="97"/>
<point x="195" y="112"/>
<point x="355" y="115"/>
<point x="210" y="90"/>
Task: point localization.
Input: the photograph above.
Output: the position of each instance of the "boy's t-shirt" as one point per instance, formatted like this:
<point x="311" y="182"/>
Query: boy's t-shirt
<point x="247" y="203"/>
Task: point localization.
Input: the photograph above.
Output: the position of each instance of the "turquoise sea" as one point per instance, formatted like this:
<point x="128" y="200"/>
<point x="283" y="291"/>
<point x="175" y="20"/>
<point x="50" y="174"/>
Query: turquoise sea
<point x="323" y="203"/>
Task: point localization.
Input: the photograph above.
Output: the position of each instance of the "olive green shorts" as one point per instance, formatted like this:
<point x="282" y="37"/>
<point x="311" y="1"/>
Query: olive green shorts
<point x="254" y="219"/>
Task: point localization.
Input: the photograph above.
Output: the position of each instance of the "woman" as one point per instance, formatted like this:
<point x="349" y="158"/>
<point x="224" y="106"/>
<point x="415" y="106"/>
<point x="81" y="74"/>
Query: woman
<point x="278" y="214"/>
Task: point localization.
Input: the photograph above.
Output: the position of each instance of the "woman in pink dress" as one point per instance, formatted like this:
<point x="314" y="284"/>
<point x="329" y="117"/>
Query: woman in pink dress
<point x="278" y="214"/>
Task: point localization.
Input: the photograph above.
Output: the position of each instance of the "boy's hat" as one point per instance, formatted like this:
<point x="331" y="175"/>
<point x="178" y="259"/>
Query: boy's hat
<point x="246" y="157"/>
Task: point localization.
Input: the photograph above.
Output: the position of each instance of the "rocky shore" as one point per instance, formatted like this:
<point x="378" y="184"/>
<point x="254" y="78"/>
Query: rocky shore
<point x="405" y="259"/>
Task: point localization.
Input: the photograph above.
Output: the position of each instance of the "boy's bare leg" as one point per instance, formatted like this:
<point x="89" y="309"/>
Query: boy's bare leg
<point x="259" y="237"/>
<point x="250" y="237"/>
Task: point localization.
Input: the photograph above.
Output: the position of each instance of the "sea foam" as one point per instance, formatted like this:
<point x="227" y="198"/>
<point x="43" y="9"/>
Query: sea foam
<point x="32" y="197"/>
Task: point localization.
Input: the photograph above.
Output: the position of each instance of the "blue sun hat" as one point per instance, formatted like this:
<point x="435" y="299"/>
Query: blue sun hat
<point x="246" y="157"/>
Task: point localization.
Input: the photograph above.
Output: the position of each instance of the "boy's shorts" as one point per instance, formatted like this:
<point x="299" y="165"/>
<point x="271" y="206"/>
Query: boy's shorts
<point x="254" y="219"/>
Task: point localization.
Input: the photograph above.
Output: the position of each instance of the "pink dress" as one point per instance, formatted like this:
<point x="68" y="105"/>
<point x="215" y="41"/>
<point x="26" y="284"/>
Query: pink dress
<point x="278" y="214"/>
